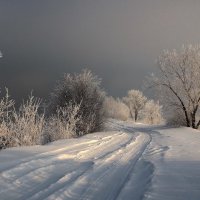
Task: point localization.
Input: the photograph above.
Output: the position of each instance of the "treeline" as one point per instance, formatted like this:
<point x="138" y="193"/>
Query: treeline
<point x="78" y="105"/>
<point x="135" y="106"/>
<point x="177" y="85"/>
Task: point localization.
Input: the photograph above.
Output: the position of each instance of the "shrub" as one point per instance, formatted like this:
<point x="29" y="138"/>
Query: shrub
<point x="21" y="128"/>
<point x="152" y="113"/>
<point x="6" y="109"/>
<point x="28" y="124"/>
<point x="116" y="109"/>
<point x="62" y="125"/>
<point x="84" y="90"/>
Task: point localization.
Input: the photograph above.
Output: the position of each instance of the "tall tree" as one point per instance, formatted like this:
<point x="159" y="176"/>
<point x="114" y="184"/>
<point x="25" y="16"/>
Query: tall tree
<point x="179" y="81"/>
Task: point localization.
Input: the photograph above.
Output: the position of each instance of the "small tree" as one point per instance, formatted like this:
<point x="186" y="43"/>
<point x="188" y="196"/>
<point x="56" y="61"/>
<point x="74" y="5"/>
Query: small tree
<point x="152" y="113"/>
<point x="83" y="90"/>
<point x="179" y="82"/>
<point x="135" y="100"/>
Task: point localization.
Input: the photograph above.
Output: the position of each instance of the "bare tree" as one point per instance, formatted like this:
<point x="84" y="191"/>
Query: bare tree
<point x="135" y="100"/>
<point x="152" y="113"/>
<point x="179" y="81"/>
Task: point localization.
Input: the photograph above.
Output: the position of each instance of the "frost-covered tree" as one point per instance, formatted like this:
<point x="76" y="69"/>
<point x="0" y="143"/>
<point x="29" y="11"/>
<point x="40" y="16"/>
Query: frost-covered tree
<point x="27" y="125"/>
<point x="178" y="81"/>
<point x="152" y="113"/>
<point x="116" y="109"/>
<point x="6" y="109"/>
<point x="81" y="90"/>
<point x="22" y="127"/>
<point x="135" y="100"/>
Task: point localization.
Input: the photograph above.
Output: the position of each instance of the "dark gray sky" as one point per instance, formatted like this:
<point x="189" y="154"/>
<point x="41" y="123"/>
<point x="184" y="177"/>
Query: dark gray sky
<point x="118" y="40"/>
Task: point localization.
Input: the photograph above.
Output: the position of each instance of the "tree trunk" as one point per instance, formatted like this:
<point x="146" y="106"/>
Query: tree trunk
<point x="187" y="121"/>
<point x="194" y="125"/>
<point x="136" y="115"/>
<point x="182" y="104"/>
<point x="197" y="126"/>
<point x="193" y="118"/>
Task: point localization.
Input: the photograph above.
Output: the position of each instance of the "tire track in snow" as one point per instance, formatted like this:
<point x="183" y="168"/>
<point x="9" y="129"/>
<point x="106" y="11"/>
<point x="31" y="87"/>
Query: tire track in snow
<point x="141" y="168"/>
<point x="58" y="186"/>
<point x="46" y="159"/>
<point x="55" y="187"/>
<point x="44" y="155"/>
<point x="73" y="147"/>
<point x="130" y="157"/>
<point x="34" y="173"/>
<point x="84" y="187"/>
<point x="95" y="161"/>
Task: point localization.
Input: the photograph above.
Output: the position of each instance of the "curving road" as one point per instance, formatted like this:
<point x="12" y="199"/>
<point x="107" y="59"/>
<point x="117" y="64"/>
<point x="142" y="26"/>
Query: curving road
<point x="125" y="162"/>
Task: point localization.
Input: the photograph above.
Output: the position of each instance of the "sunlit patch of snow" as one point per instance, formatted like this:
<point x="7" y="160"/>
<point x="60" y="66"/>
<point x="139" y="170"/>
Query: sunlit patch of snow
<point x="65" y="156"/>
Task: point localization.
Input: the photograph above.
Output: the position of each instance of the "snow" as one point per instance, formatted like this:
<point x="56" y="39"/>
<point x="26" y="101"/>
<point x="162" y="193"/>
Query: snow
<point x="175" y="154"/>
<point x="127" y="161"/>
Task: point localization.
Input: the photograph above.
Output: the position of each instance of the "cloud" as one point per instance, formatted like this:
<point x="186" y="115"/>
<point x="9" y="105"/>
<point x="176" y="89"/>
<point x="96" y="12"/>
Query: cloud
<point x="117" y="40"/>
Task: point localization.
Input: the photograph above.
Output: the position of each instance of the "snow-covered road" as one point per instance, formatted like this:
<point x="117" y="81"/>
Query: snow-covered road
<point x="125" y="162"/>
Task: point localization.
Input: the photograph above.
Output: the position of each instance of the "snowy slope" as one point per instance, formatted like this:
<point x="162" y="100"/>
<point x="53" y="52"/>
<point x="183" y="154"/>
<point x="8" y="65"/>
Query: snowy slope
<point x="125" y="162"/>
<point x="175" y="154"/>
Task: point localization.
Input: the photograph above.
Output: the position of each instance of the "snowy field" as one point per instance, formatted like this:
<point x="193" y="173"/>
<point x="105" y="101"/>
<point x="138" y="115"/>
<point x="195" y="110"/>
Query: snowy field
<point x="125" y="162"/>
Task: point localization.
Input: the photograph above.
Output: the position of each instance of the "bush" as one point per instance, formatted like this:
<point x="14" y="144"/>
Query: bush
<point x="62" y="125"/>
<point x="21" y="128"/>
<point x="116" y="109"/>
<point x="28" y="124"/>
<point x="152" y="113"/>
<point x="84" y="90"/>
<point x="76" y="108"/>
<point x="6" y="109"/>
